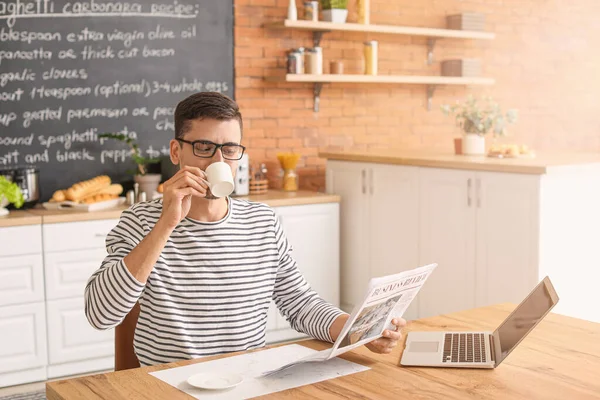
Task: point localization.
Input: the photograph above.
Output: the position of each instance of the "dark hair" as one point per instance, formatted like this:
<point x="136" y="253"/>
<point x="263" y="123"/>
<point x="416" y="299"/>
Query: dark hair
<point x="203" y="105"/>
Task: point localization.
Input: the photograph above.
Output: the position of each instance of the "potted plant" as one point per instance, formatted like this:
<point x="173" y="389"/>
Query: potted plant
<point x="148" y="182"/>
<point x="477" y="118"/>
<point x="334" y="10"/>
<point x="10" y="193"/>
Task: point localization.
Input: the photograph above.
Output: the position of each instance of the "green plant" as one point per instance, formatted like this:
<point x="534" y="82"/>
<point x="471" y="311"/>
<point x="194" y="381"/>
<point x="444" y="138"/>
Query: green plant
<point x="141" y="161"/>
<point x="334" y="4"/>
<point x="11" y="192"/>
<point x="481" y="116"/>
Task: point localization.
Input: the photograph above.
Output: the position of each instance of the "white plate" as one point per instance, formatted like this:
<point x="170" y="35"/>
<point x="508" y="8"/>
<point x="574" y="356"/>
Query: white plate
<point x="217" y="380"/>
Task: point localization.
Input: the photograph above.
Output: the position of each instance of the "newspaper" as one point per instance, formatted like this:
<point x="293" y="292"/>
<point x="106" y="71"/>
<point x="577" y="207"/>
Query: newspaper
<point x="386" y="298"/>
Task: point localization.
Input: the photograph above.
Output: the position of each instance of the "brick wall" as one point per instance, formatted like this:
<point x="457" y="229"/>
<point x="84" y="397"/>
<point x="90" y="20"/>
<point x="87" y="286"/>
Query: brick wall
<point x="545" y="61"/>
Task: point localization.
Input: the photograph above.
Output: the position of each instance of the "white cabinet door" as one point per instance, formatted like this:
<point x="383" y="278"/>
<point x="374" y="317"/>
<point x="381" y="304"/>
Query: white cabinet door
<point x="17" y="240"/>
<point x="313" y="232"/>
<point x="447" y="229"/>
<point x="22" y="337"/>
<point x="69" y="236"/>
<point x="349" y="180"/>
<point x="68" y="272"/>
<point x="393" y="222"/>
<point x="506" y="236"/>
<point x="71" y="337"/>
<point x="21" y="279"/>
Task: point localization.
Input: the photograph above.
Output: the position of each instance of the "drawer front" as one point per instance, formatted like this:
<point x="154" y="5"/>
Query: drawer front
<point x="68" y="272"/>
<point x="18" y="240"/>
<point x="22" y="337"/>
<point x="77" y="235"/>
<point x="21" y="279"/>
<point x="71" y="337"/>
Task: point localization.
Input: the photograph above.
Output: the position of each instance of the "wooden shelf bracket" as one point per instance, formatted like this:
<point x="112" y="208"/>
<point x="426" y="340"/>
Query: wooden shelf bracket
<point x="317" y="36"/>
<point x="317" y="95"/>
<point x="430" y="47"/>
<point x="430" y="91"/>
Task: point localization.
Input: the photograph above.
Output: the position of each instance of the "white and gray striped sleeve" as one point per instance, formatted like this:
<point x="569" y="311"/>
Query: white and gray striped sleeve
<point x="111" y="291"/>
<point x="302" y="307"/>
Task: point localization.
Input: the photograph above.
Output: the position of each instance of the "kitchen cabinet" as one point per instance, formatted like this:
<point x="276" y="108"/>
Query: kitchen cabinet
<point x="74" y="347"/>
<point x="23" y="355"/>
<point x="72" y="252"/>
<point x="67" y="272"/>
<point x="313" y="231"/>
<point x="480" y="228"/>
<point x="447" y="233"/>
<point x="19" y="240"/>
<point x="507" y="237"/>
<point x="21" y="279"/>
<point x="494" y="234"/>
<point x="378" y="223"/>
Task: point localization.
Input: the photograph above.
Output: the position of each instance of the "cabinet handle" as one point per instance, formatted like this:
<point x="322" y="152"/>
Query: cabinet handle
<point x="363" y="174"/>
<point x="371" y="181"/>
<point x="478" y="187"/>
<point x="469" y="192"/>
<point x="101" y="235"/>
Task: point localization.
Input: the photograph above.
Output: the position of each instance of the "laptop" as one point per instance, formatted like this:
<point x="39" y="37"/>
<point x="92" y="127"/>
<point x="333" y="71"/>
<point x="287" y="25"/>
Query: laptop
<point x="480" y="349"/>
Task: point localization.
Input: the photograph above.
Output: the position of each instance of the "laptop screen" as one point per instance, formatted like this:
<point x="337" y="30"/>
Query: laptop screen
<point x="522" y="320"/>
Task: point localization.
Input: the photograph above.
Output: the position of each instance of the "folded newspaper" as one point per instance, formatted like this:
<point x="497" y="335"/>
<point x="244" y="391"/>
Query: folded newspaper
<point x="386" y="298"/>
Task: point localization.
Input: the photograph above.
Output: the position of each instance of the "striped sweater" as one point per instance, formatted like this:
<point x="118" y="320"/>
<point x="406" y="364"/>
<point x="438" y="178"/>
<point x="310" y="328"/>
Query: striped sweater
<point x="209" y="291"/>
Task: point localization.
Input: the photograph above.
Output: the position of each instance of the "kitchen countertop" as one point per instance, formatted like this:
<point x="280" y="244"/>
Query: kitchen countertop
<point x="19" y="218"/>
<point x="274" y="198"/>
<point x="538" y="165"/>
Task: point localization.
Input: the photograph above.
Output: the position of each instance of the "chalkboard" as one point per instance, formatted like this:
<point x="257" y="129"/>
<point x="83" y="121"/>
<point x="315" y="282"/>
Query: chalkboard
<point x="72" y="70"/>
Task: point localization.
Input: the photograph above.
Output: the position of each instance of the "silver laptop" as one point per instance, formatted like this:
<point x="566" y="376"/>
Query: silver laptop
<point x="480" y="349"/>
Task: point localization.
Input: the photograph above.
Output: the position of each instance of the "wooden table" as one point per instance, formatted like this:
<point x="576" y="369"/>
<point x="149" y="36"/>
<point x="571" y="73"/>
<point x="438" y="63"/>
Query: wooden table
<point x="560" y="359"/>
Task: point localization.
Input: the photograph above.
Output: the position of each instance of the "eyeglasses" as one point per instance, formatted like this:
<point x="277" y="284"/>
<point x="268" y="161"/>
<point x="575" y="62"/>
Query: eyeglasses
<point x="207" y="149"/>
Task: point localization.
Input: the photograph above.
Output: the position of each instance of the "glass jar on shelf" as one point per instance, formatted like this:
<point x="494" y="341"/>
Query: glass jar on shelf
<point x="290" y="180"/>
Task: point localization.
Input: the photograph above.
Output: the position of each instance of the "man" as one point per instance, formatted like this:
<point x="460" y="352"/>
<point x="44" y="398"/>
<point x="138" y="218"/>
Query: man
<point x="204" y="269"/>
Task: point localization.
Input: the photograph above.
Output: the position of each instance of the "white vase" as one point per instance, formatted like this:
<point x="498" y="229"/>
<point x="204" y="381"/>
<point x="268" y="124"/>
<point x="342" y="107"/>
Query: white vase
<point x="335" y="15"/>
<point x="292" y="11"/>
<point x="473" y="144"/>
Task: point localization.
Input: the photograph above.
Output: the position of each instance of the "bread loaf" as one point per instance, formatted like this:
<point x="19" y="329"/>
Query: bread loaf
<point x="115" y="188"/>
<point x="58" y="196"/>
<point x="86" y="188"/>
<point x="96" y="198"/>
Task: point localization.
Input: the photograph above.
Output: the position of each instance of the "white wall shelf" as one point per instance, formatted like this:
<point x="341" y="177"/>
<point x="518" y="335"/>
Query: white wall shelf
<point x="318" y="28"/>
<point x="432" y="33"/>
<point x="430" y="81"/>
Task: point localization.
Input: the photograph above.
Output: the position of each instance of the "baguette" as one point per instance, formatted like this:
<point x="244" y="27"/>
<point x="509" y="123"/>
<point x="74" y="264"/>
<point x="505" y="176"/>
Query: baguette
<point x="58" y="196"/>
<point x="85" y="188"/>
<point x="96" y="198"/>
<point x="115" y="188"/>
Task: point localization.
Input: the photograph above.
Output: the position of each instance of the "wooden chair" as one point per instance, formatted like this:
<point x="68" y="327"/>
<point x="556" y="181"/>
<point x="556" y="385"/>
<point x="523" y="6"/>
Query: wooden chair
<point x="125" y="357"/>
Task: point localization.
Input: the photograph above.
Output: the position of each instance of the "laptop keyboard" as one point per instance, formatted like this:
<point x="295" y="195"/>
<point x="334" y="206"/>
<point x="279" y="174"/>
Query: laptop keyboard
<point x="464" y="347"/>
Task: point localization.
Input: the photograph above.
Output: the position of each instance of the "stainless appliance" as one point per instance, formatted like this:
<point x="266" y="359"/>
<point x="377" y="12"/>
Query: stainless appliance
<point x="242" y="177"/>
<point x="28" y="179"/>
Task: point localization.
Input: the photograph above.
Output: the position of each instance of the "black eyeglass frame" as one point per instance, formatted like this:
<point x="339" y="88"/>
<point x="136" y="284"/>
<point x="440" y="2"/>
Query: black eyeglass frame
<point x="217" y="146"/>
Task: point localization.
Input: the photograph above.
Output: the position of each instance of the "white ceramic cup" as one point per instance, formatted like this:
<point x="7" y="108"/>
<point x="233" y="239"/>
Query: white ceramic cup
<point x="220" y="179"/>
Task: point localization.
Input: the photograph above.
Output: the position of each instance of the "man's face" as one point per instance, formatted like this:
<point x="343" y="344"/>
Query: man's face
<point x="212" y="130"/>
